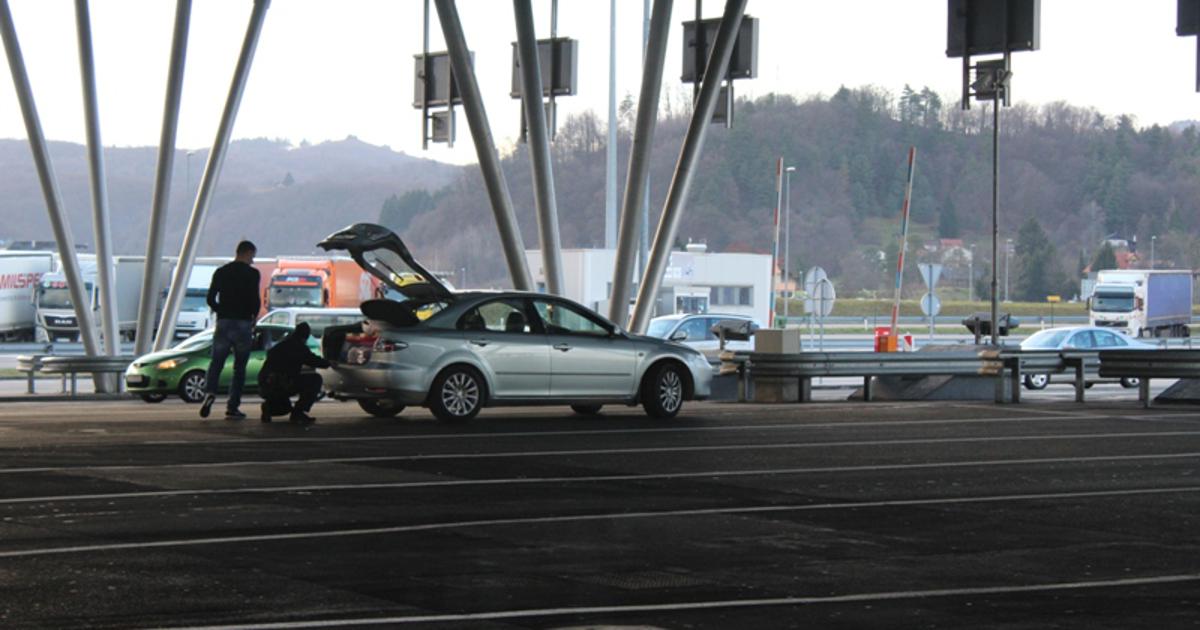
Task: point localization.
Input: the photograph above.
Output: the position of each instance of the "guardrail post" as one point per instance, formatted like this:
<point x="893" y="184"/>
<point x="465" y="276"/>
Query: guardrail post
<point x="805" y="389"/>
<point x="868" y="394"/>
<point x="1144" y="392"/>
<point x="742" y="385"/>
<point x="1080" y="379"/>
<point x="1016" y="379"/>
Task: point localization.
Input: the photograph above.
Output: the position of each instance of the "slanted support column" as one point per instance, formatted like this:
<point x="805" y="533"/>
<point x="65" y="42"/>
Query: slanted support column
<point x="539" y="146"/>
<point x="693" y="143"/>
<point x="485" y="146"/>
<point x="208" y="181"/>
<point x="148" y="302"/>
<point x="636" y="184"/>
<point x="45" y="170"/>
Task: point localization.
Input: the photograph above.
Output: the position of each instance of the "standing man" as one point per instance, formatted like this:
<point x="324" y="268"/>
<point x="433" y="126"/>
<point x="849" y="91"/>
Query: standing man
<point x="233" y="296"/>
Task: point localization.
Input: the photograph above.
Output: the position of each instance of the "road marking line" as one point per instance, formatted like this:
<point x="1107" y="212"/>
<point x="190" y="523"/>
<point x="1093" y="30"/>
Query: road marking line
<point x="763" y="472"/>
<point x="764" y="509"/>
<point x="706" y="605"/>
<point x="611" y="451"/>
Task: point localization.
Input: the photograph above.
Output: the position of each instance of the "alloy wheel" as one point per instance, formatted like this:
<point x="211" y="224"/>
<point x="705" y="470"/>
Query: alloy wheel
<point x="460" y="394"/>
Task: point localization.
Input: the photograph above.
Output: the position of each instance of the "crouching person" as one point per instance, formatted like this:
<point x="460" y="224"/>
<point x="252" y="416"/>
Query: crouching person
<point x="280" y="378"/>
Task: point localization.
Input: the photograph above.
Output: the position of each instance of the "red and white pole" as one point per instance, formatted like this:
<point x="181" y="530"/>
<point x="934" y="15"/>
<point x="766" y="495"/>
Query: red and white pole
<point x="912" y="159"/>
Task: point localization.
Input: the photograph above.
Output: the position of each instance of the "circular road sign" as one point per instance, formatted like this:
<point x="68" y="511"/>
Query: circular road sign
<point x="931" y="305"/>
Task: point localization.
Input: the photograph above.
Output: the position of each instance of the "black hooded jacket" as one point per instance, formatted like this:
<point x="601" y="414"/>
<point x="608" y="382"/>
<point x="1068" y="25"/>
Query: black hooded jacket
<point x="290" y="354"/>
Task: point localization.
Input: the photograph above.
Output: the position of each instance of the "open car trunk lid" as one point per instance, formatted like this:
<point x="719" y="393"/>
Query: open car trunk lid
<point x="382" y="254"/>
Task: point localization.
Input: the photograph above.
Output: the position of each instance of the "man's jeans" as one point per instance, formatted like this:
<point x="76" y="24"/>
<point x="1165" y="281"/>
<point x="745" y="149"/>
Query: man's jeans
<point x="235" y="335"/>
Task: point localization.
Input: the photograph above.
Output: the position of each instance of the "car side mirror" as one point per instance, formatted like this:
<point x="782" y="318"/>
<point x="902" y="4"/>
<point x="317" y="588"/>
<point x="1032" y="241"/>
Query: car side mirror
<point x="679" y="335"/>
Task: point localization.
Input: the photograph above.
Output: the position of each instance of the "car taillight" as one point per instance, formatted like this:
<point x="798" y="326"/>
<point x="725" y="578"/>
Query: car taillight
<point x="387" y="345"/>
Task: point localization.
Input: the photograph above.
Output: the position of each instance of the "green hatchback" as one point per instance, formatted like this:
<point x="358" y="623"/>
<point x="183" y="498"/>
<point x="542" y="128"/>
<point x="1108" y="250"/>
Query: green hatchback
<point x="182" y="369"/>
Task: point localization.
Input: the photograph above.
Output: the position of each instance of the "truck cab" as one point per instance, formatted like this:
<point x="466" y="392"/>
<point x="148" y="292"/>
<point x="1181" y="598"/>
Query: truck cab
<point x="55" y="311"/>
<point x="1143" y="302"/>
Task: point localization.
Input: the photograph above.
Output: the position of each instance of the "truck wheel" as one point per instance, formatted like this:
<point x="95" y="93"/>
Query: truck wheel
<point x="191" y="386"/>
<point x="153" y="398"/>
<point x="380" y="407"/>
<point x="1037" y="381"/>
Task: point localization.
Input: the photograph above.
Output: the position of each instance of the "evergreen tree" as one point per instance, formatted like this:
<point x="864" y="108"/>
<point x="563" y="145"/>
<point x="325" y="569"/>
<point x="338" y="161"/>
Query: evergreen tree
<point x="398" y="212"/>
<point x="948" y="223"/>
<point x="1106" y="258"/>
<point x="1039" y="273"/>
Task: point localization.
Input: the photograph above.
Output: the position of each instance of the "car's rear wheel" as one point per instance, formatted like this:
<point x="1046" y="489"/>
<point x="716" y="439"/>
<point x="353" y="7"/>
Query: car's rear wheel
<point x="191" y="386"/>
<point x="586" y="410"/>
<point x="663" y="390"/>
<point x="153" y="398"/>
<point x="457" y="394"/>
<point x="1037" y="381"/>
<point x="1130" y="382"/>
<point x="380" y="407"/>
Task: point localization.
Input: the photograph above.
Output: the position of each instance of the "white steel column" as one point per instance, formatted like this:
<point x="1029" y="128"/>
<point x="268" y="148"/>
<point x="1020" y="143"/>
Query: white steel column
<point x="610" y="170"/>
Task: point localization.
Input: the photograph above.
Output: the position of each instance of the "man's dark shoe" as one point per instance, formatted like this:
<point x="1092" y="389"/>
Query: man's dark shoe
<point x="302" y="418"/>
<point x="206" y="406"/>
<point x="234" y="414"/>
<point x="266" y="412"/>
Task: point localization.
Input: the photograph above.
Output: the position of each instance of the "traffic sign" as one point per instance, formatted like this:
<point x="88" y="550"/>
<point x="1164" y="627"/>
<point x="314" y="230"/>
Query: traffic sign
<point x="819" y="294"/>
<point x="930" y="273"/>
<point x="930" y="305"/>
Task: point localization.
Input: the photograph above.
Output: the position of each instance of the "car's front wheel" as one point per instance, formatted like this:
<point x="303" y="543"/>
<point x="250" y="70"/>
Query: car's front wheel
<point x="380" y="407"/>
<point x="1037" y="381"/>
<point x="663" y="390"/>
<point x="457" y="394"/>
<point x="191" y="386"/>
<point x="1130" y="382"/>
<point x="153" y="398"/>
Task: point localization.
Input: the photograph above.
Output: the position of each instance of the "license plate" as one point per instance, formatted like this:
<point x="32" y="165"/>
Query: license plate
<point x="138" y="380"/>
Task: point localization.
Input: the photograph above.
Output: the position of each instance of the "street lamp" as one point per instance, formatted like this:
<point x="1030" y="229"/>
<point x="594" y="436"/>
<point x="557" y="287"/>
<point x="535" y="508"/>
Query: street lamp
<point x="188" y="189"/>
<point x="971" y="275"/>
<point x="787" y="236"/>
<point x="1152" y="239"/>
<point x="1007" y="252"/>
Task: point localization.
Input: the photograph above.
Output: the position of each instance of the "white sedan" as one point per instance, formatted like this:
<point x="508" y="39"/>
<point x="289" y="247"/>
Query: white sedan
<point x="1079" y="338"/>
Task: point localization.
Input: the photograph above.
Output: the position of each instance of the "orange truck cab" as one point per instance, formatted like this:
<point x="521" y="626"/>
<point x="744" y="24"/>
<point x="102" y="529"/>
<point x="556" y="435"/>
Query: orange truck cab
<point x="320" y="282"/>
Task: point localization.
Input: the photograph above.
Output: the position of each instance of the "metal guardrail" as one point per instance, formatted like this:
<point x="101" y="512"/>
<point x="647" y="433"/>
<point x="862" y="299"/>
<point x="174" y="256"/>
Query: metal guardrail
<point x="1020" y="362"/>
<point x="70" y="367"/>
<point x="806" y="366"/>
<point x="1147" y="364"/>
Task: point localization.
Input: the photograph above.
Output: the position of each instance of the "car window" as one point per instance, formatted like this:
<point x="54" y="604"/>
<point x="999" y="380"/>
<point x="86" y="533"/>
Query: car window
<point x="261" y="339"/>
<point x="506" y="315"/>
<point x="694" y="328"/>
<point x="275" y="318"/>
<point x="1082" y="340"/>
<point x="1105" y="339"/>
<point x="559" y="318"/>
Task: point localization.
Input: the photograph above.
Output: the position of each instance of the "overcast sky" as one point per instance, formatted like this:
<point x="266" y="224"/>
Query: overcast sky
<point x="325" y="70"/>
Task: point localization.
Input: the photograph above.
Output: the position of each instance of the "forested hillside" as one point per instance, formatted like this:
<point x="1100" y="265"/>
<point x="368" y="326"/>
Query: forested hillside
<point x="1070" y="177"/>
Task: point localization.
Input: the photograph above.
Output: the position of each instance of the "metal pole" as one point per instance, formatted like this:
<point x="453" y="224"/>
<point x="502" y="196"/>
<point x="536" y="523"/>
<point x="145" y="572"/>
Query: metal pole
<point x="212" y="172"/>
<point x="971" y="276"/>
<point x="45" y="170"/>
<point x="149" y="299"/>
<point x="775" y="240"/>
<point x="1152" y="239"/>
<point x="787" y="239"/>
<point x="610" y="171"/>
<point x="995" y="327"/>
<point x="485" y="147"/>
<point x="644" y="211"/>
<point x="425" y="79"/>
<point x="693" y="143"/>
<point x="637" y="184"/>
<point x="904" y="214"/>
<point x="1007" y="255"/>
<point x="105" y="276"/>
<point x="539" y="146"/>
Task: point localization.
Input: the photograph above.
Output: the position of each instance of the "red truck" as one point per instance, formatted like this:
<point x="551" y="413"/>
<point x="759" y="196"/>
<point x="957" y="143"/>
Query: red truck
<point x="320" y="282"/>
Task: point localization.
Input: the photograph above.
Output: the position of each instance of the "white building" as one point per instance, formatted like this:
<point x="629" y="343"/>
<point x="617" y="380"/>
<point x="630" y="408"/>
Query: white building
<point x="696" y="281"/>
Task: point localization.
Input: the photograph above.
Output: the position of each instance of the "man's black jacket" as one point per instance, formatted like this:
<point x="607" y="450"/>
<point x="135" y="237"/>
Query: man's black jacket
<point x="288" y="356"/>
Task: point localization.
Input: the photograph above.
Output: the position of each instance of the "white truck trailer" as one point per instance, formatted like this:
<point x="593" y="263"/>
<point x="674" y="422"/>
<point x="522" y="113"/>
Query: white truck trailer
<point x="1143" y="302"/>
<point x="56" y="314"/>
<point x="20" y="274"/>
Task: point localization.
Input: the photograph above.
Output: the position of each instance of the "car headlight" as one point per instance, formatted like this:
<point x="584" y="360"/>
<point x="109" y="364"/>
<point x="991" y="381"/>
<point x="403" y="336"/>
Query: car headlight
<point x="170" y="364"/>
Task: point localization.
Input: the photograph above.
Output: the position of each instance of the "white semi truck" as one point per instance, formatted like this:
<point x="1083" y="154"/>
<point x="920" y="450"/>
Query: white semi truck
<point x="56" y="314"/>
<point x="194" y="315"/>
<point x="1143" y="302"/>
<point x="20" y="274"/>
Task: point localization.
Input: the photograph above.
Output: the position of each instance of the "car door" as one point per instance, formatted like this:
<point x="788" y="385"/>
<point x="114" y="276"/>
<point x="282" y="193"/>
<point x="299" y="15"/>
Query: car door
<point x="505" y="339"/>
<point x="261" y="339"/>
<point x="587" y="358"/>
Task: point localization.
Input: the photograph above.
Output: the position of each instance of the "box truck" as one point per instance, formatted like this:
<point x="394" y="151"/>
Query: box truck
<point x="1143" y="302"/>
<point x="20" y="273"/>
<point x="321" y="282"/>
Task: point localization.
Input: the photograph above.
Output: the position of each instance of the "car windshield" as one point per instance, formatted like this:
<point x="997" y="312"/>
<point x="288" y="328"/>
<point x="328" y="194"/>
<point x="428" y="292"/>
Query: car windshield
<point x="193" y="302"/>
<point x="194" y="342"/>
<point x="57" y="296"/>
<point x="1105" y="302"/>
<point x="1046" y="339"/>
<point x="660" y="328"/>
<point x="295" y="296"/>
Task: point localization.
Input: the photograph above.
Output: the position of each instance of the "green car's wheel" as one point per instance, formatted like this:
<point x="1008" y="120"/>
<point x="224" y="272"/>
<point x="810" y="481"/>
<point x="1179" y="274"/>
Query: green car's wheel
<point x="191" y="386"/>
<point x="380" y="407"/>
<point x="153" y="398"/>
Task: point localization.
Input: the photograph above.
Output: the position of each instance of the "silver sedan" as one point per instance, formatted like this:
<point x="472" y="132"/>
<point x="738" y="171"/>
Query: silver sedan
<point x="456" y="352"/>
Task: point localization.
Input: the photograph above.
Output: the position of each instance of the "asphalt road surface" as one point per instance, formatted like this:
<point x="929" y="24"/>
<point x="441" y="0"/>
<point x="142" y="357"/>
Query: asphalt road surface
<point x="827" y="515"/>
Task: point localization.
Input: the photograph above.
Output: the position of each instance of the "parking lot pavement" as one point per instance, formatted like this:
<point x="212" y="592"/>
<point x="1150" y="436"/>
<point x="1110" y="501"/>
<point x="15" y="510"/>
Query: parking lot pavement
<point x="939" y="515"/>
